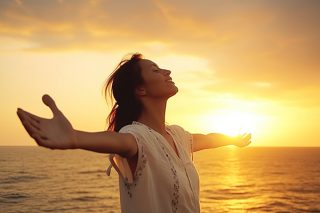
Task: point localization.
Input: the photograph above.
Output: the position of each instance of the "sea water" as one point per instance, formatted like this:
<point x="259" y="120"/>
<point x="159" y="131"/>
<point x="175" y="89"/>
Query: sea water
<point x="251" y="179"/>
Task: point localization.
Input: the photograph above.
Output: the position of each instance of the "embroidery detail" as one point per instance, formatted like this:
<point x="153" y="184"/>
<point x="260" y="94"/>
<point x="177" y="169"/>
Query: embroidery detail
<point x="137" y="173"/>
<point x="176" y="184"/>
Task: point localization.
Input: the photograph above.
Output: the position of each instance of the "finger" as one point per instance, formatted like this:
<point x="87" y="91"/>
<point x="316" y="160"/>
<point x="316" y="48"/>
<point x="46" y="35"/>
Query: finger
<point x="27" y="119"/>
<point x="30" y="129"/>
<point x="39" y="140"/>
<point x="34" y="123"/>
<point x="45" y="142"/>
<point x="24" y="123"/>
<point x="27" y="125"/>
<point x="47" y="100"/>
<point x="39" y="135"/>
<point x="246" y="136"/>
<point x="246" y="144"/>
<point x="247" y="141"/>
<point x="34" y="117"/>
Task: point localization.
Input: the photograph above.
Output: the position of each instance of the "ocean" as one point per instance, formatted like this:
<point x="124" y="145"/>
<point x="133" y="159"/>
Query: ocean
<point x="251" y="179"/>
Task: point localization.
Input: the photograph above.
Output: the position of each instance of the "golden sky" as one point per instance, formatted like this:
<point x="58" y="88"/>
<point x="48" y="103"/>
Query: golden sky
<point x="239" y="65"/>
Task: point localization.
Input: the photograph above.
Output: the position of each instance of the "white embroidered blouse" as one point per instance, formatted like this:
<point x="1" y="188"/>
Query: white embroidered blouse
<point x="163" y="181"/>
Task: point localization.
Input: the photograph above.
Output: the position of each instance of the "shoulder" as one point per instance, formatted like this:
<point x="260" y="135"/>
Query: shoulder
<point x="134" y="128"/>
<point x="180" y="132"/>
<point x="177" y="129"/>
<point x="140" y="132"/>
<point x="184" y="137"/>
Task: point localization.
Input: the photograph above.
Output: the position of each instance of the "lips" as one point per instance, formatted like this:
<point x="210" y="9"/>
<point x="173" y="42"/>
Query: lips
<point x="169" y="80"/>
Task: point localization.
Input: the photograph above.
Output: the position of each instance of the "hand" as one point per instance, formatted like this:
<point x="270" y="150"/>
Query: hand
<point x="54" y="133"/>
<point x="242" y="140"/>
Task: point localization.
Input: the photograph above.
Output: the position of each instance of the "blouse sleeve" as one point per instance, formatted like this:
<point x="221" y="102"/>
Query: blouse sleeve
<point x="121" y="165"/>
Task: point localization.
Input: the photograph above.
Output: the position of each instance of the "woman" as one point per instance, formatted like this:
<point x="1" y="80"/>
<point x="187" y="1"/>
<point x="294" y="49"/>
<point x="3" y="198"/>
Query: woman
<point x="154" y="160"/>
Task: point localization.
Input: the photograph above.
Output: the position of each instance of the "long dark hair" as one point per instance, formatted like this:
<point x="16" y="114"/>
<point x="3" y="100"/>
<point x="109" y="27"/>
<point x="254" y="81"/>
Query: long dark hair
<point x="121" y="85"/>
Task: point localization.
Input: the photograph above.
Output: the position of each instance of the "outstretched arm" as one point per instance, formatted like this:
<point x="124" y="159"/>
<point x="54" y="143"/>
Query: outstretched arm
<point x="58" y="133"/>
<point x="214" y="140"/>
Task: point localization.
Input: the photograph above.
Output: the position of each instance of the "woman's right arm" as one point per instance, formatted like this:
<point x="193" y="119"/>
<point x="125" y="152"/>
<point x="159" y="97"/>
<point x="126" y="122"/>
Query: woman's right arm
<point x="58" y="133"/>
<point x="107" y="142"/>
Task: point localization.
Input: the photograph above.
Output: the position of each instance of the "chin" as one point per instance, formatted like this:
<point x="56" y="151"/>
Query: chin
<point x="175" y="91"/>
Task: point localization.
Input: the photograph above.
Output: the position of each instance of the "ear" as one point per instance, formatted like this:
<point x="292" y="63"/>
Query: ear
<point x="140" y="91"/>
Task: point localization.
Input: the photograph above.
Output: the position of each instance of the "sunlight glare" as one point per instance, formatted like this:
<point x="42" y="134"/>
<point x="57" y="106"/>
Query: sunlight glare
<point x="232" y="122"/>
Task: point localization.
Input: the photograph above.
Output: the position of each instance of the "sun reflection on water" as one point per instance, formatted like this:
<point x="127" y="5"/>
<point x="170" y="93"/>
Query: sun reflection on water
<point x="229" y="187"/>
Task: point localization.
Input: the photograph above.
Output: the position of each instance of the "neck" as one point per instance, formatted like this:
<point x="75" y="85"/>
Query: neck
<point x="153" y="115"/>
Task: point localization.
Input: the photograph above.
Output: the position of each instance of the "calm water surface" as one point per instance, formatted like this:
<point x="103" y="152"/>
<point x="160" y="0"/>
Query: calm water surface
<point x="252" y="179"/>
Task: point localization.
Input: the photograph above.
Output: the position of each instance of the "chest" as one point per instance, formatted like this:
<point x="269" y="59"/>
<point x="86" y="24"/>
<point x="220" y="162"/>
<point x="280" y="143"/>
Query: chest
<point x="169" y="139"/>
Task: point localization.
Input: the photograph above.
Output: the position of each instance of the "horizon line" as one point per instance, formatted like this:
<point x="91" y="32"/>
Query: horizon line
<point x="208" y="149"/>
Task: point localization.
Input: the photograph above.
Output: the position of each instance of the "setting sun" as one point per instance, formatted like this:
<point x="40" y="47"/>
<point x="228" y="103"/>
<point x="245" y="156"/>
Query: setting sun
<point x="232" y="122"/>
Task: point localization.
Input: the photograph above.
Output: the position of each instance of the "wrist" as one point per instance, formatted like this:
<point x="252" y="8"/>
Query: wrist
<point x="231" y="140"/>
<point x="75" y="140"/>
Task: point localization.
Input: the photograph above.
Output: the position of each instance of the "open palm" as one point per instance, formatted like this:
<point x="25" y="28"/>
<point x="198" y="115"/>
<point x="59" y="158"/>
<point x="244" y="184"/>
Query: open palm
<point x="242" y="140"/>
<point x="54" y="133"/>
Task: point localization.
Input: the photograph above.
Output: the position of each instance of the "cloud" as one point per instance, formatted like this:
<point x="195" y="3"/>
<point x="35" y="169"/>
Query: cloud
<point x="263" y="48"/>
<point x="213" y="24"/>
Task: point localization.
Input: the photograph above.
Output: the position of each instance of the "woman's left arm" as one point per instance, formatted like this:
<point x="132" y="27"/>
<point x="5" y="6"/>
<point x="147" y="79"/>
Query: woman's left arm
<point x="214" y="140"/>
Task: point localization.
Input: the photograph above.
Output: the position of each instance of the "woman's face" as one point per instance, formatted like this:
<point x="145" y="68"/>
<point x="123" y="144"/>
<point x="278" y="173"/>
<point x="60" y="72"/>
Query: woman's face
<point x="157" y="81"/>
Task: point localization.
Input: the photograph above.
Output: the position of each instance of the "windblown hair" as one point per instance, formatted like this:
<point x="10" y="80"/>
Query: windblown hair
<point x="121" y="86"/>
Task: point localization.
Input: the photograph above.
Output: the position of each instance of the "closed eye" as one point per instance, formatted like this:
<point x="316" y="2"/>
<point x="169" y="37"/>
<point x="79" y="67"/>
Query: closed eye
<point x="156" y="68"/>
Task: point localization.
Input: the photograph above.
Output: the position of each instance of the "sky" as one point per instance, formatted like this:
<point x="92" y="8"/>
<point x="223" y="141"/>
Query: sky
<point x="240" y="66"/>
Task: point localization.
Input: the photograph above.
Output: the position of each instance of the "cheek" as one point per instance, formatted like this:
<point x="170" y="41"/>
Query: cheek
<point x="149" y="80"/>
<point x="161" y="89"/>
<point x="154" y="82"/>
<point x="154" y="86"/>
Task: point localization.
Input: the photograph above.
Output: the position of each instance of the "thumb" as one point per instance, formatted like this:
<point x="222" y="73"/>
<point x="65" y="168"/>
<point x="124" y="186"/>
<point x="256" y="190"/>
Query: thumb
<point x="47" y="100"/>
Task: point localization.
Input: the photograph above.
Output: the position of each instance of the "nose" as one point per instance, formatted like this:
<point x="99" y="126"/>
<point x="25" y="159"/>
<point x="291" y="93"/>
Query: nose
<point x="166" y="72"/>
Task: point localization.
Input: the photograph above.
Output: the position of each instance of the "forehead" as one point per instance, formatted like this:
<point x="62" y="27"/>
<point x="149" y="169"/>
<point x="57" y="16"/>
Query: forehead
<point x="146" y="64"/>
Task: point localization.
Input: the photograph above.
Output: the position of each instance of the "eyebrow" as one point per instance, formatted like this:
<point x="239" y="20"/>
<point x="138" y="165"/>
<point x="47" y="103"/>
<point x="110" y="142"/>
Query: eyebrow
<point x="154" y="64"/>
